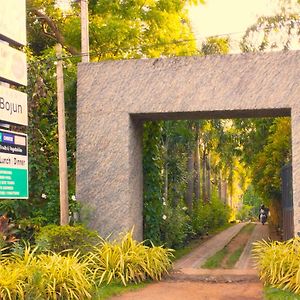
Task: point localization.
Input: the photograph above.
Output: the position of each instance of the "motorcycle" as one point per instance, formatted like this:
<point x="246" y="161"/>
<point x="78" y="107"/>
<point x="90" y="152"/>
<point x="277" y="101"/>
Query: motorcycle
<point x="263" y="218"/>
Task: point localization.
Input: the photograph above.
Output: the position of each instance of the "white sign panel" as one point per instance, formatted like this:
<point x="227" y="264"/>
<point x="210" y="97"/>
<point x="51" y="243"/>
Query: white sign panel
<point x="13" y="106"/>
<point x="13" y="21"/>
<point x="13" y="67"/>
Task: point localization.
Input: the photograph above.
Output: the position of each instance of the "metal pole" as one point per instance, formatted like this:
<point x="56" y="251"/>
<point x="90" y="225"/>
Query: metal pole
<point x="85" y="48"/>
<point x="62" y="145"/>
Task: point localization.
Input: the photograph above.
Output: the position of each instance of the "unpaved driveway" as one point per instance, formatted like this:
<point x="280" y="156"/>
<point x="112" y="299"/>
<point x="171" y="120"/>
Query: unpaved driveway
<point x="188" y="282"/>
<point x="196" y="291"/>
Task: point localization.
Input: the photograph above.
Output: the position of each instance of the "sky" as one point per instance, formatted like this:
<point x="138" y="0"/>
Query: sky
<point x="228" y="16"/>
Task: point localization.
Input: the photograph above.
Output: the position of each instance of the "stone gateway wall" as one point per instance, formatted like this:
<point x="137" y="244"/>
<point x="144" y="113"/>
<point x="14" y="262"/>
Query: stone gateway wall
<point x="115" y="97"/>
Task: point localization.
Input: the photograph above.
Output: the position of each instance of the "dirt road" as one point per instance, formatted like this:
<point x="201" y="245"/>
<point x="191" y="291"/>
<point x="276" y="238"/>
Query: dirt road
<point x="189" y="282"/>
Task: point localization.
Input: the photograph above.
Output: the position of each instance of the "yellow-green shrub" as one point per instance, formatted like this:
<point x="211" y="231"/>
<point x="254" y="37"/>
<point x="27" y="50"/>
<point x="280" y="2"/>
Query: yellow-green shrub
<point x="44" y="276"/>
<point x="29" y="275"/>
<point x="11" y="283"/>
<point x="128" y="261"/>
<point x="279" y="263"/>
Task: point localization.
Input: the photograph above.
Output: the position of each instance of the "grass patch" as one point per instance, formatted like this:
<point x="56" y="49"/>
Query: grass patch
<point x="271" y="293"/>
<point x="114" y="289"/>
<point x="248" y="228"/>
<point x="234" y="257"/>
<point x="228" y="258"/>
<point x="214" y="261"/>
<point x="196" y="242"/>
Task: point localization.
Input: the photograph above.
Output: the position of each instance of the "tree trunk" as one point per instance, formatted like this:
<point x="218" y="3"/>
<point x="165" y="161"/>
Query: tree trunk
<point x="230" y="182"/>
<point x="220" y="185"/>
<point x="166" y="184"/>
<point x="225" y="193"/>
<point x="208" y="182"/>
<point x="204" y="193"/>
<point x="190" y="182"/>
<point x="197" y="169"/>
<point x="166" y="179"/>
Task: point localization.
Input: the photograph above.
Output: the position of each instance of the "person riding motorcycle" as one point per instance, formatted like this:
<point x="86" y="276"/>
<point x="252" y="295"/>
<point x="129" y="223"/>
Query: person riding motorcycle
<point x="263" y="214"/>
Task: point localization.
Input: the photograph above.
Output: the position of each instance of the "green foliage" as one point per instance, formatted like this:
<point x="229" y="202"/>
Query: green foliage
<point x="252" y="200"/>
<point x="245" y="213"/>
<point x="59" y="238"/>
<point x="269" y="161"/>
<point x="266" y="145"/>
<point x="210" y="216"/>
<point x="118" y="29"/>
<point x="43" y="201"/>
<point x="250" y="205"/>
<point x="278" y="263"/>
<point x="175" y="228"/>
<point x="128" y="261"/>
<point x="152" y="165"/>
<point x="214" y="46"/>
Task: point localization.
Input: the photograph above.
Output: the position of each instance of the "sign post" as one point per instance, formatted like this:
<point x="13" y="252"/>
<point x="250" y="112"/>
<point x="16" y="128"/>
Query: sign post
<point x="13" y="165"/>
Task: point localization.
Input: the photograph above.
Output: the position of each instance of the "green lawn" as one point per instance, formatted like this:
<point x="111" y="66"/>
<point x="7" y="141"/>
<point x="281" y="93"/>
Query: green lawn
<point x="277" y="294"/>
<point x="114" y="289"/>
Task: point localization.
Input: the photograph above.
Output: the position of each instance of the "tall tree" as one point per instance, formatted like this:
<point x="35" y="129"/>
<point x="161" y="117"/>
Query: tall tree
<point x="278" y="32"/>
<point x="118" y="29"/>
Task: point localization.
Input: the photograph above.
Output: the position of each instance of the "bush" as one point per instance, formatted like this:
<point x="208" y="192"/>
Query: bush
<point x="210" y="216"/>
<point x="44" y="276"/>
<point x="279" y="263"/>
<point x="28" y="275"/>
<point x="246" y="212"/>
<point x="128" y="261"/>
<point x="59" y="238"/>
<point x="175" y="227"/>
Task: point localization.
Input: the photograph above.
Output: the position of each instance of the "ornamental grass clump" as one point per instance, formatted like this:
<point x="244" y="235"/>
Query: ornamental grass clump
<point x="44" y="276"/>
<point x="128" y="261"/>
<point x="11" y="283"/>
<point x="279" y="263"/>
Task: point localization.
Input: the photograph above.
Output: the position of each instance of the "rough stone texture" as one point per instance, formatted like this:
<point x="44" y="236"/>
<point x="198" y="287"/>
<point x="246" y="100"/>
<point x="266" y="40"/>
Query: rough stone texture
<point x="115" y="97"/>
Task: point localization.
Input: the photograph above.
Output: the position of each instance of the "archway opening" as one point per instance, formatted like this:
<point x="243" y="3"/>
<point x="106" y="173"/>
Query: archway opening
<point x="200" y="174"/>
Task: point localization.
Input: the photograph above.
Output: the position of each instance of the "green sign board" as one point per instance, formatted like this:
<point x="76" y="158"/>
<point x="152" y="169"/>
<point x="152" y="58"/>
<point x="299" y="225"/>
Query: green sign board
<point x="13" y="165"/>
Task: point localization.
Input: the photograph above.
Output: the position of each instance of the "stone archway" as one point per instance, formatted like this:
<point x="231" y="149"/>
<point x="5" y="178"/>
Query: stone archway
<point x="115" y="97"/>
